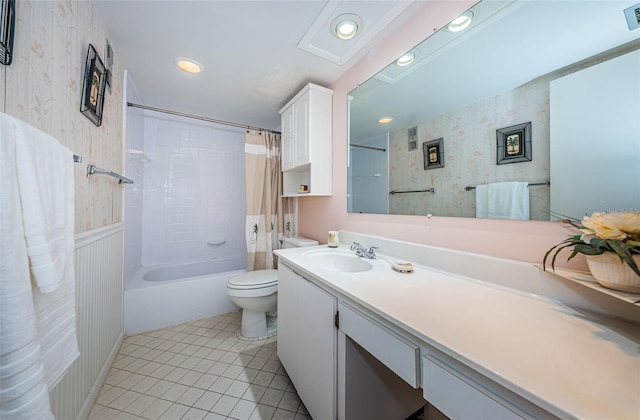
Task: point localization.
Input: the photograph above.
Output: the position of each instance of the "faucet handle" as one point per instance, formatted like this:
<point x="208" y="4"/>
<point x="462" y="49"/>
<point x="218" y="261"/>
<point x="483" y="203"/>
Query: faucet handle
<point x="355" y="246"/>
<point x="372" y="252"/>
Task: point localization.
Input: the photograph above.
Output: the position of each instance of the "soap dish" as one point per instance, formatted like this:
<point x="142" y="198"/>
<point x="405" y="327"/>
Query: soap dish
<point x="402" y="267"/>
<point x="399" y="266"/>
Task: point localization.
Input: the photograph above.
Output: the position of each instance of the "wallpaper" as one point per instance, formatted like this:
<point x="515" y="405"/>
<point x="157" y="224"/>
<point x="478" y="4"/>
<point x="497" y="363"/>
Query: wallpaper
<point x="43" y="88"/>
<point x="469" y="143"/>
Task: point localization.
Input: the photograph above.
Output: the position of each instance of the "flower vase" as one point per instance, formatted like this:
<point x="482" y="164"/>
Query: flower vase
<point x="612" y="273"/>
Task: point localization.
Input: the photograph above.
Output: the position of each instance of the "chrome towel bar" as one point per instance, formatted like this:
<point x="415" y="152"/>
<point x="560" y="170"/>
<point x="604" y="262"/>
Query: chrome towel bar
<point x="547" y="183"/>
<point x="431" y="190"/>
<point x="92" y="169"/>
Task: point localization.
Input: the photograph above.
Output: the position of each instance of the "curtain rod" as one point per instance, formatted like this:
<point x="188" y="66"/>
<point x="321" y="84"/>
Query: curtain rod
<point x="180" y="114"/>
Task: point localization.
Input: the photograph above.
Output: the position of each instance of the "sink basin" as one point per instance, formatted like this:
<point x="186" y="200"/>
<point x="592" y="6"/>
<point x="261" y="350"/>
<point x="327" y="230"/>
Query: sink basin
<point x="338" y="261"/>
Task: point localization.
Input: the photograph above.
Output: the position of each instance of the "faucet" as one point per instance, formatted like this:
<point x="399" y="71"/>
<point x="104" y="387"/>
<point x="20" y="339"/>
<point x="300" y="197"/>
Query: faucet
<point x="361" y="252"/>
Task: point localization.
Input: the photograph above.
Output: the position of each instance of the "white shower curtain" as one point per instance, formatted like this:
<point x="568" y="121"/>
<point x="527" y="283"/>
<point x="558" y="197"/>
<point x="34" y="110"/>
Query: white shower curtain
<point x="269" y="216"/>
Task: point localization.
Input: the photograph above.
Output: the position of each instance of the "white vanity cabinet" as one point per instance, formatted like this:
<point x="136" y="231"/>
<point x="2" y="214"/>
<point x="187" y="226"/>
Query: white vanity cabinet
<point x="307" y="341"/>
<point x="306" y="142"/>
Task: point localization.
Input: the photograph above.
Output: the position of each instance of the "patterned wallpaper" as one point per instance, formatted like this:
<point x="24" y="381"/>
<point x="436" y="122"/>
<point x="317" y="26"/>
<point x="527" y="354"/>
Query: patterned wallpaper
<point x="43" y="88"/>
<point x="470" y="152"/>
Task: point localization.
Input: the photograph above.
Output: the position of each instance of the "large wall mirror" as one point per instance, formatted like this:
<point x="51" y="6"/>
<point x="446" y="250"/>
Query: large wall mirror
<point x="543" y="92"/>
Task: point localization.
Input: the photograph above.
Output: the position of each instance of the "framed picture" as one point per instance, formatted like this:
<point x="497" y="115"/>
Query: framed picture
<point x="514" y="144"/>
<point x="93" y="88"/>
<point x="413" y="138"/>
<point x="433" y="154"/>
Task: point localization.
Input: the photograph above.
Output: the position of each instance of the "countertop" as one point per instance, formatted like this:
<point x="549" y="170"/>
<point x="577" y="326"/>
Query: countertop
<point x="570" y="363"/>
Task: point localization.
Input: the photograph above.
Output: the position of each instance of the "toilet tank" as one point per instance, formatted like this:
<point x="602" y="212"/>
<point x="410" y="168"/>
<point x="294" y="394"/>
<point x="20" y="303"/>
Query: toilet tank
<point x="297" y="241"/>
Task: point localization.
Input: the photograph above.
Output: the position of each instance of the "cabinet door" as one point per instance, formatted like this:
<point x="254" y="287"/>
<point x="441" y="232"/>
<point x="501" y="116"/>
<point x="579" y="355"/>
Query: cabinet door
<point x="301" y="124"/>
<point x="288" y="135"/>
<point x="288" y="319"/>
<point x="307" y="341"/>
<point x="317" y="341"/>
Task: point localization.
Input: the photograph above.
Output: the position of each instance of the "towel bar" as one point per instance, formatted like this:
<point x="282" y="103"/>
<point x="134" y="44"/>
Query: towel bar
<point x="92" y="169"/>
<point x="547" y="183"/>
<point x="431" y="190"/>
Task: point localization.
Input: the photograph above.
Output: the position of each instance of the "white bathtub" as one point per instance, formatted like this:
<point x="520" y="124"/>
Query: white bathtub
<point x="160" y="296"/>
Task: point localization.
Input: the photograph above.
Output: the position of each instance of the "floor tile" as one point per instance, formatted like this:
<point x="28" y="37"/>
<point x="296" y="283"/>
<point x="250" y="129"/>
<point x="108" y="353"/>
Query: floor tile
<point x="272" y="397"/>
<point x="198" y="370"/>
<point x="175" y="411"/>
<point x="225" y="405"/>
<point x="207" y="400"/>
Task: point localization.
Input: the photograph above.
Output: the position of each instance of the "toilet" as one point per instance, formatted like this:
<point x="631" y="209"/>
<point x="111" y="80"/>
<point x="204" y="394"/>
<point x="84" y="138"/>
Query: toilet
<point x="256" y="292"/>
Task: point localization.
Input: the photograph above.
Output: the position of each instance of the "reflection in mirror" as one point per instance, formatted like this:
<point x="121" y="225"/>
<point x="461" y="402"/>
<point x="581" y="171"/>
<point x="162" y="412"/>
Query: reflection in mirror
<point x="475" y="88"/>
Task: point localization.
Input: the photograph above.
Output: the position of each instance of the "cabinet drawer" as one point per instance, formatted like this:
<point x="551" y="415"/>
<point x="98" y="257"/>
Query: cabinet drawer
<point x="395" y="352"/>
<point x="450" y="393"/>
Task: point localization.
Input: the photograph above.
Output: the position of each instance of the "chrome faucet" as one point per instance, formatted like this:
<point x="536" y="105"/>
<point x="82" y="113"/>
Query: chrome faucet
<point x="361" y="252"/>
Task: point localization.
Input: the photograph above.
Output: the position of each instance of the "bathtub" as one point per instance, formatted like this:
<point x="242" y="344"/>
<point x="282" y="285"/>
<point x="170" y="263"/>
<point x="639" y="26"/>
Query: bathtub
<point x="161" y="296"/>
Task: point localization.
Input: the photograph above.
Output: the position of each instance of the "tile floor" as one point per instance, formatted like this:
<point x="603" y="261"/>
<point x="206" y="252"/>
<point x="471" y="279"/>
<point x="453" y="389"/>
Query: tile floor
<point x="198" y="370"/>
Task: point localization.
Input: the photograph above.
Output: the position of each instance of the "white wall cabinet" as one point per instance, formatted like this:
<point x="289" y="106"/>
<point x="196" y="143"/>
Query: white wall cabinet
<point x="307" y="341"/>
<point x="306" y="142"/>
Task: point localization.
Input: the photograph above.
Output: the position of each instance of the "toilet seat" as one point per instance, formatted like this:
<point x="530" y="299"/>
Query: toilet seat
<point x="251" y="280"/>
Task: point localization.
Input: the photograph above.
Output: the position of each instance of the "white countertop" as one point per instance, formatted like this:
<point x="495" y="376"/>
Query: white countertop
<point x="569" y="363"/>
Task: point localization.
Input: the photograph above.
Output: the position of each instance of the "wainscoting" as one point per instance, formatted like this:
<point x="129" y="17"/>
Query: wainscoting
<point x="98" y="266"/>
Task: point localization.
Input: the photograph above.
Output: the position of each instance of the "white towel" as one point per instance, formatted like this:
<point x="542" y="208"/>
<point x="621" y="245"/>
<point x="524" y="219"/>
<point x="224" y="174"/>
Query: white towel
<point x="482" y="201"/>
<point x="508" y="200"/>
<point x="37" y="327"/>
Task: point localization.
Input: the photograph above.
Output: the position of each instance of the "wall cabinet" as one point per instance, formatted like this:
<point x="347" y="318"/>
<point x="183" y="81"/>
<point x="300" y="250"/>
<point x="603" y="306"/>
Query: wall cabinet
<point x="306" y="142"/>
<point x="307" y="341"/>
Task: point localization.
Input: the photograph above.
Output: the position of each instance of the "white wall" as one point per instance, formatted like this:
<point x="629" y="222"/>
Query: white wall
<point x="193" y="190"/>
<point x="594" y="121"/>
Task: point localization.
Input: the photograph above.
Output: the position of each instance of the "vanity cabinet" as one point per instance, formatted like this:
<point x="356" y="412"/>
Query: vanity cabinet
<point x="306" y="142"/>
<point x="307" y="341"/>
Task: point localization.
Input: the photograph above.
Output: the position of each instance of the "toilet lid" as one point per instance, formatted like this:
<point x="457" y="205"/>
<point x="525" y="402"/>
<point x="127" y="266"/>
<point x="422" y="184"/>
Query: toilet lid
<point x="254" y="279"/>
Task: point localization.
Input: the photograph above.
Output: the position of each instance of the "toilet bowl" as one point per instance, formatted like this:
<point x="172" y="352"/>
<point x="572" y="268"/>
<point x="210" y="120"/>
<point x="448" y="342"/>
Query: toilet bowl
<point x="256" y="293"/>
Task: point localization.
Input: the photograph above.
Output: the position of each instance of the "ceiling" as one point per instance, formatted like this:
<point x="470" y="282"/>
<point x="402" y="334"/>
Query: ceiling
<point x="508" y="44"/>
<point x="256" y="54"/>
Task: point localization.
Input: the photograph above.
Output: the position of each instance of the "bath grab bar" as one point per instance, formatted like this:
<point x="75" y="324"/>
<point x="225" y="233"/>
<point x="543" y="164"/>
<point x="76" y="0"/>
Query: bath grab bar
<point x="381" y="149"/>
<point x="431" y="190"/>
<point x="547" y="183"/>
<point x="92" y="169"/>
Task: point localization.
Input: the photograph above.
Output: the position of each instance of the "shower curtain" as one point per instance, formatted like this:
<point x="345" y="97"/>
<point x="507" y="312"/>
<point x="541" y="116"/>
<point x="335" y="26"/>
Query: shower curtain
<point x="269" y="216"/>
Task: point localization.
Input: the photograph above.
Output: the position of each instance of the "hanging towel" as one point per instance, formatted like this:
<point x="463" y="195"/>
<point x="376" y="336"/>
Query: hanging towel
<point x="482" y="201"/>
<point x="508" y="200"/>
<point x="37" y="287"/>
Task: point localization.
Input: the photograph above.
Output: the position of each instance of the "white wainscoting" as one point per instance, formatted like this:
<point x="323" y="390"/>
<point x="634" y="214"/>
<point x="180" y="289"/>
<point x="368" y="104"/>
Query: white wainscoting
<point x="98" y="266"/>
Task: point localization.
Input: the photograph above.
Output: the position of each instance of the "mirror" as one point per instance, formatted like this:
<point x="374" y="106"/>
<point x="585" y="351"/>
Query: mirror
<point x="460" y="107"/>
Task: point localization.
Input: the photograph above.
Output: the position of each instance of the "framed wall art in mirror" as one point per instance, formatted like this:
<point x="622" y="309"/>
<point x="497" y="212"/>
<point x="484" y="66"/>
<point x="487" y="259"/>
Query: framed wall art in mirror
<point x="93" y="87"/>
<point x="433" y="154"/>
<point x="514" y="144"/>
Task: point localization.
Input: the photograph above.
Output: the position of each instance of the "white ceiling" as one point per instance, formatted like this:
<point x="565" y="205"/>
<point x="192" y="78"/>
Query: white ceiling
<point x="508" y="44"/>
<point x="252" y="61"/>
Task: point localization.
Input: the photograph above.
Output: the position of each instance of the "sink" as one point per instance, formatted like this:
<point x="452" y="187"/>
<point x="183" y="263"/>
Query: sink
<point x="338" y="261"/>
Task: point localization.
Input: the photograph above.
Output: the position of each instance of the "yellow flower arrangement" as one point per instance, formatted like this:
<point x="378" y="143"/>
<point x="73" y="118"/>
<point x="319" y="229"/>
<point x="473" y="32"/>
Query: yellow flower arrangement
<point x="617" y="232"/>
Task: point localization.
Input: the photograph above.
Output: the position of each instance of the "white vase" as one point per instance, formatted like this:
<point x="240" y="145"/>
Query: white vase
<point x="614" y="274"/>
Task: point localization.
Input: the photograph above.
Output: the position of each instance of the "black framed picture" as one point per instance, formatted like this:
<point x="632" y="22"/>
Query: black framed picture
<point x="433" y="154"/>
<point x="93" y="87"/>
<point x="514" y="144"/>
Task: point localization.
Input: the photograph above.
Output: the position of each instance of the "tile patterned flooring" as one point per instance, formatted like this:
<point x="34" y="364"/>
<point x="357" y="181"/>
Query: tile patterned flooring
<point x="199" y="370"/>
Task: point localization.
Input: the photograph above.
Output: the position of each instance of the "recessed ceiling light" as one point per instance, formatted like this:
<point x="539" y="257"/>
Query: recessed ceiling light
<point x="346" y="26"/>
<point x="189" y="65"/>
<point x="385" y="120"/>
<point x="461" y="22"/>
<point x="406" y="59"/>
